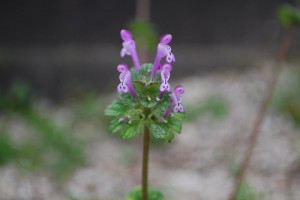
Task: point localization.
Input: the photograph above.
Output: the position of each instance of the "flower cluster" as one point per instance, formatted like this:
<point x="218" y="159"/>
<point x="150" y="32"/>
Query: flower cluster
<point x="146" y="94"/>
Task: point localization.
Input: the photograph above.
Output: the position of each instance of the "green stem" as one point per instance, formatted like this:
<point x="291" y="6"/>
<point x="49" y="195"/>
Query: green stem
<point x="145" y="163"/>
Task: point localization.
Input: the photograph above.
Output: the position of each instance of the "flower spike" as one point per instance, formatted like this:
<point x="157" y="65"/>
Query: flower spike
<point x="146" y="98"/>
<point x="163" y="49"/>
<point x="129" y="47"/>
<point x="126" y="84"/>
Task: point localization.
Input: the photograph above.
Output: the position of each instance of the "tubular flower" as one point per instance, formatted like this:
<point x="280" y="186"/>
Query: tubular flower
<point x="126" y="84"/>
<point x="163" y="50"/>
<point x="176" y="98"/>
<point x="165" y="76"/>
<point x="129" y="47"/>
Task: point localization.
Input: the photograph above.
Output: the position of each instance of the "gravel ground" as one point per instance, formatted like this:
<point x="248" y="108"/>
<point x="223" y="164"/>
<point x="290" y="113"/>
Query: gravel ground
<point x="196" y="165"/>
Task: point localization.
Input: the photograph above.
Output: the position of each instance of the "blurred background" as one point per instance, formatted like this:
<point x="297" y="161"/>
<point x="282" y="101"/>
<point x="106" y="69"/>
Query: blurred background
<point x="52" y="43"/>
<point x="58" y="73"/>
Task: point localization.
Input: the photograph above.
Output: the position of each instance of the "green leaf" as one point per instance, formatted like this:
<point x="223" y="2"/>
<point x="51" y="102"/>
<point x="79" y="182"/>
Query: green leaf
<point x="136" y="194"/>
<point x="164" y="102"/>
<point x="145" y="109"/>
<point x="152" y="89"/>
<point x="157" y="131"/>
<point x="148" y="104"/>
<point x="180" y="116"/>
<point x="115" y="108"/>
<point x="115" y="125"/>
<point x="175" y="124"/>
<point x="143" y="74"/>
<point x="135" y="114"/>
<point x="170" y="135"/>
<point x="139" y="87"/>
<point x="128" y="99"/>
<point x="129" y="131"/>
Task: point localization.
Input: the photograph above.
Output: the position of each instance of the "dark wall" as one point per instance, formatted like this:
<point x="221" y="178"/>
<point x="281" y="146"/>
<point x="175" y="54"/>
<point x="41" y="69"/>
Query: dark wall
<point x="61" y="44"/>
<point x="191" y="21"/>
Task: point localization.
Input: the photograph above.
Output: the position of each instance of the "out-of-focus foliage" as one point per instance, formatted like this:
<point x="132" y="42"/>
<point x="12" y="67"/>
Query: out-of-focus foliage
<point x="287" y="99"/>
<point x="90" y="108"/>
<point x="288" y="15"/>
<point x="7" y="150"/>
<point x="16" y="99"/>
<point x="216" y="106"/>
<point x="76" y="198"/>
<point x="144" y="33"/>
<point x="136" y="194"/>
<point x="47" y="145"/>
<point x="246" y="193"/>
<point x="59" y="150"/>
<point x="234" y="167"/>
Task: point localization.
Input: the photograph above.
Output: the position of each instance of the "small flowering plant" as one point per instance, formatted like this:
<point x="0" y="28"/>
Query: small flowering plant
<point x="146" y="101"/>
<point x="146" y="97"/>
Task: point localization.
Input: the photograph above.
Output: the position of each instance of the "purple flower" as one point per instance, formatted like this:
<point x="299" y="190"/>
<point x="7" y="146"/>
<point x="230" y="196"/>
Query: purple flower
<point x="125" y="79"/>
<point x="129" y="47"/>
<point x="165" y="76"/>
<point x="122" y="119"/>
<point x="175" y="101"/>
<point x="163" y="49"/>
<point x="176" y="98"/>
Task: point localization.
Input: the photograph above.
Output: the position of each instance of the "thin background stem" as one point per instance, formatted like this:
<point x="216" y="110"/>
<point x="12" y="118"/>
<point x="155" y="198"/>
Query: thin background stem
<point x="143" y="9"/>
<point x="281" y="56"/>
<point x="145" y="163"/>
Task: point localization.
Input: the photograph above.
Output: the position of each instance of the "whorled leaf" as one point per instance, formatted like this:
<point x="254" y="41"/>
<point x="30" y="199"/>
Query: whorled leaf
<point x="131" y="113"/>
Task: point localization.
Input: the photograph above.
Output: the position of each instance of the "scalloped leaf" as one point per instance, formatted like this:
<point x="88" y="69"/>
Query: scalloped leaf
<point x="115" y="125"/>
<point x="164" y="102"/>
<point x="147" y="109"/>
<point x="175" y="124"/>
<point x="115" y="108"/>
<point x="129" y="131"/>
<point x="157" y="131"/>
<point x="128" y="99"/>
<point x="169" y="135"/>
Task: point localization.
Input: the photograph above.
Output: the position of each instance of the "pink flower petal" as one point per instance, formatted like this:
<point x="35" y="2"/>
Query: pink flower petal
<point x="126" y="35"/>
<point x="122" y="68"/>
<point x="165" y="39"/>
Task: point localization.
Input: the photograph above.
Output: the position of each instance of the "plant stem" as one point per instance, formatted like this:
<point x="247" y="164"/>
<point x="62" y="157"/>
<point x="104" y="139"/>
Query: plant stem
<point x="145" y="163"/>
<point x="281" y="56"/>
<point x="143" y="9"/>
